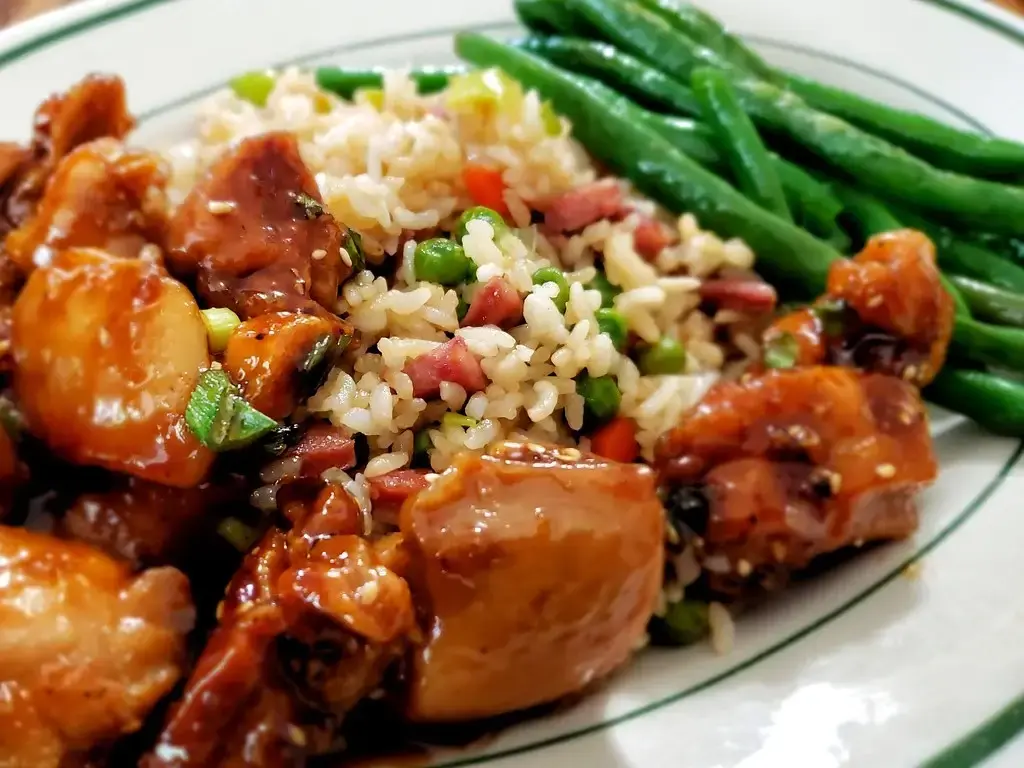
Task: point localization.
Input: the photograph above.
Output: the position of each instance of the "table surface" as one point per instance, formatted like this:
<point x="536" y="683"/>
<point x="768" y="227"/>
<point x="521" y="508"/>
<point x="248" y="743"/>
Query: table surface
<point x="12" y="11"/>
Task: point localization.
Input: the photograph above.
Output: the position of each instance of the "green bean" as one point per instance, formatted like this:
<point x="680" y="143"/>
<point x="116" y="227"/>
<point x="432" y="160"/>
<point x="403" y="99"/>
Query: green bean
<point x="707" y="30"/>
<point x="614" y="131"/>
<point x="997" y="404"/>
<point x="941" y="144"/>
<point x="635" y="29"/>
<point x="987" y="302"/>
<point x="961" y="257"/>
<point x="988" y="344"/>
<point x="551" y="17"/>
<point x="345" y="82"/>
<point x="813" y="204"/>
<point x="626" y="74"/>
<point x="878" y="165"/>
<point x="748" y="158"/>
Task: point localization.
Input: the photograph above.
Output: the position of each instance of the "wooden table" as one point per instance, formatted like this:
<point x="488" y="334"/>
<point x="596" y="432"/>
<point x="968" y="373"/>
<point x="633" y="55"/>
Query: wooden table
<point x="12" y="11"/>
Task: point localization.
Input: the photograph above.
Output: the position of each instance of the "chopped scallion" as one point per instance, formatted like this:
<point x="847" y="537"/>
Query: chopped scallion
<point x="354" y="248"/>
<point x="220" y="418"/>
<point x="311" y="207"/>
<point x="782" y="351"/>
<point x="458" y="420"/>
<point x="220" y="324"/>
<point x="239" y="535"/>
<point x="254" y="87"/>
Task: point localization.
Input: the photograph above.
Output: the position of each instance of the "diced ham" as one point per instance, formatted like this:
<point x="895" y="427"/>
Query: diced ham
<point x="497" y="303"/>
<point x="323" y="446"/>
<point x="452" y="361"/>
<point x="577" y="208"/>
<point x="739" y="295"/>
<point x="651" y="237"/>
<point x="395" y="487"/>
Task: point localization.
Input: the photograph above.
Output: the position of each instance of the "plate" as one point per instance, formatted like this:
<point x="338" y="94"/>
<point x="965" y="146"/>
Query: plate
<point x="909" y="654"/>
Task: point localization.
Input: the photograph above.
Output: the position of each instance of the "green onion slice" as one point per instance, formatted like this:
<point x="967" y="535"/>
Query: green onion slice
<point x="354" y="248"/>
<point x="239" y="535"/>
<point x="782" y="351"/>
<point x="220" y="418"/>
<point x="220" y="323"/>
<point x="311" y="207"/>
<point x="458" y="420"/>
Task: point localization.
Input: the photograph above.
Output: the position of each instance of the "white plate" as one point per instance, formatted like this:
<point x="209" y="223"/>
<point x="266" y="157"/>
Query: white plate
<point x="863" y="667"/>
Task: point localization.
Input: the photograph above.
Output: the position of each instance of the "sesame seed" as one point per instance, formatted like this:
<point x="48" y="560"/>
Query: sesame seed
<point x="885" y="471"/>
<point x="858" y="543"/>
<point x="743" y="568"/>
<point x="345" y="257"/>
<point x="215" y="365"/>
<point x="779" y="551"/>
<point x="912" y="571"/>
<point x="319" y="253"/>
<point x="104" y="335"/>
<point x="296" y="735"/>
<point x="220" y="207"/>
<point x="835" y="482"/>
<point x="875" y="301"/>
<point x="368" y="592"/>
<point x="910" y="373"/>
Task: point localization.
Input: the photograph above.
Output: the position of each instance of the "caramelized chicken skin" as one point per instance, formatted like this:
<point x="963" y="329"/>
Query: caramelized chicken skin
<point x="538" y="571"/>
<point x="886" y="310"/>
<point x="106" y="379"/>
<point x="256" y="235"/>
<point x="307" y="629"/>
<point x="94" y="108"/>
<point x="87" y="649"/>
<point x="100" y="196"/>
<point x="796" y="463"/>
<point x="279" y="358"/>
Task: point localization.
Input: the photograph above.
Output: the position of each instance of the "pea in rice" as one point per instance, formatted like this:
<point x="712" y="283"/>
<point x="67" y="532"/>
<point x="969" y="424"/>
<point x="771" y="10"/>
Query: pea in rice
<point x="391" y="166"/>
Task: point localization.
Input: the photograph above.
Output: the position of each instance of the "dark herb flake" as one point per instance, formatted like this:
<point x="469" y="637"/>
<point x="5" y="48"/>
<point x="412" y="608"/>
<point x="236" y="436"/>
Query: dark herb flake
<point x="311" y="207"/>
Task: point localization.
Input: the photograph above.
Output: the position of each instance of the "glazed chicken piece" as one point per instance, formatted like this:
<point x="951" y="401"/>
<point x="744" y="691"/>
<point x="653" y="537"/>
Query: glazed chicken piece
<point x="308" y="628"/>
<point x="537" y="569"/>
<point x="94" y="108"/>
<point x="105" y="380"/>
<point x="886" y="310"/>
<point x="146" y="523"/>
<point x="87" y="649"/>
<point x="796" y="463"/>
<point x="256" y="235"/>
<point x="281" y="358"/>
<point x="100" y="196"/>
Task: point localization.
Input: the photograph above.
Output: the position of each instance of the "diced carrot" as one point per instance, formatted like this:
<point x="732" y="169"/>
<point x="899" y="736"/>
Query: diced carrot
<point x="486" y="187"/>
<point x="616" y="440"/>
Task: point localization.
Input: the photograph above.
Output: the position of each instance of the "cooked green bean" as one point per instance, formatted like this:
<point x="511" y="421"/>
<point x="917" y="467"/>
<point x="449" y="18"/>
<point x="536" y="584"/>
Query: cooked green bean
<point x="751" y="165"/>
<point x="947" y="147"/>
<point x="880" y="166"/>
<point x="995" y="403"/>
<point x="623" y="72"/>
<point x="634" y="29"/>
<point x="813" y="204"/>
<point x="960" y="257"/>
<point x="707" y="30"/>
<point x="551" y="17"/>
<point x="614" y="130"/>
<point x="345" y="82"/>
<point x="987" y="302"/>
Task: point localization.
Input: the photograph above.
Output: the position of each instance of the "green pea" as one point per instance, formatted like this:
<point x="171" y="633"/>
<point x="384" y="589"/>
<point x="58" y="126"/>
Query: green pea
<point x="666" y="356"/>
<point x="422" y="443"/>
<point x="554" y="275"/>
<point x="442" y="261"/>
<point x="254" y="87"/>
<point x="608" y="290"/>
<point x="601" y="395"/>
<point x="480" y="213"/>
<point x="612" y="323"/>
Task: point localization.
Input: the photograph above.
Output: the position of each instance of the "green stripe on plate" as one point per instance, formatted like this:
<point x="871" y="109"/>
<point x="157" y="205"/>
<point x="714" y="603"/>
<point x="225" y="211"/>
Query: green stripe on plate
<point x="968" y="751"/>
